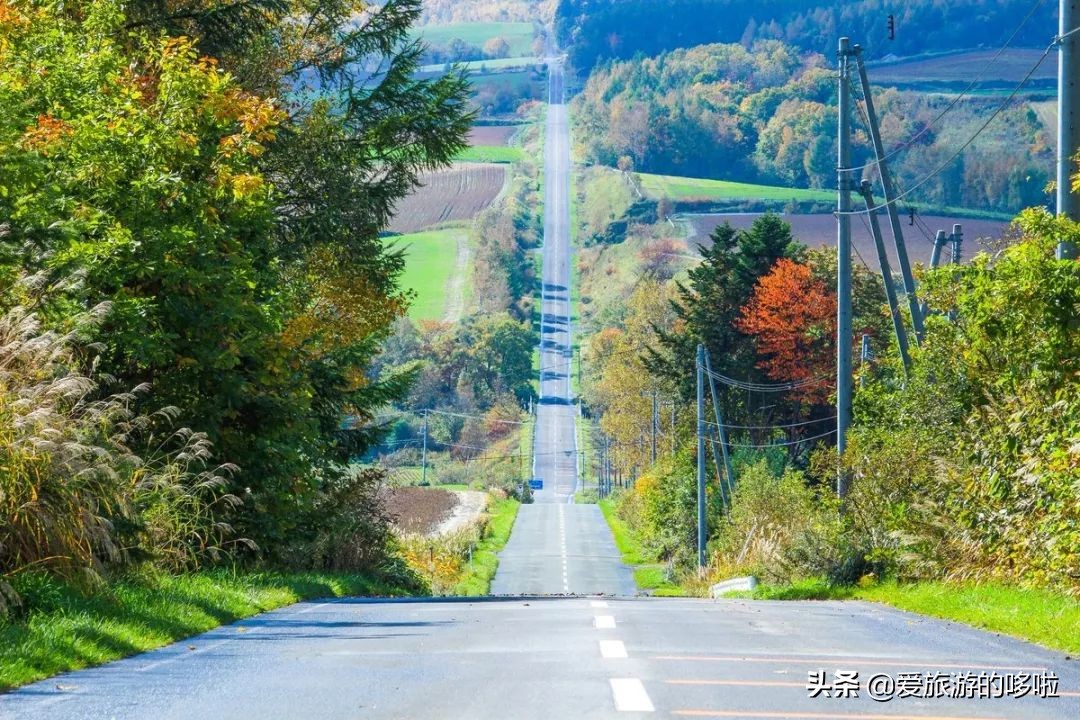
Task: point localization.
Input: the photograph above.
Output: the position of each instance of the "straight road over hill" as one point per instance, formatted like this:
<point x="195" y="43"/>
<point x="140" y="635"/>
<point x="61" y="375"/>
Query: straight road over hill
<point x="562" y="658"/>
<point x="556" y="546"/>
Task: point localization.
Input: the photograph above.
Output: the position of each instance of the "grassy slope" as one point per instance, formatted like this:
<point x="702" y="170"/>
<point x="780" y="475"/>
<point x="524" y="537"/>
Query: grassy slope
<point x="485" y="561"/>
<point x="518" y="34"/>
<point x="1040" y="616"/>
<point x="648" y="574"/>
<point x="490" y="154"/>
<point x="686" y="188"/>
<point x="431" y="259"/>
<point x="72" y="631"/>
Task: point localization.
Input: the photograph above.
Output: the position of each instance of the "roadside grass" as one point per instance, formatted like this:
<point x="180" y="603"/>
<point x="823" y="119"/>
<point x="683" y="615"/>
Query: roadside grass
<point x="649" y="575"/>
<point x="1045" y="617"/>
<point x="480" y="571"/>
<point x="490" y="154"/>
<point x="430" y="262"/>
<point x="519" y="35"/>
<point x="69" y="630"/>
<point x="681" y="189"/>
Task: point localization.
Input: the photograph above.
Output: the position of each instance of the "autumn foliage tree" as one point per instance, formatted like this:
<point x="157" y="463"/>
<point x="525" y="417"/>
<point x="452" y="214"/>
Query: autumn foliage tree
<point x="792" y="318"/>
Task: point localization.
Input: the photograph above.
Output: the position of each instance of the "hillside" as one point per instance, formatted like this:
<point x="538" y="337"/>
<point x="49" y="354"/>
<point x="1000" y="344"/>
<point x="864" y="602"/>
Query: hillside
<point x="624" y="28"/>
<point x="767" y="115"/>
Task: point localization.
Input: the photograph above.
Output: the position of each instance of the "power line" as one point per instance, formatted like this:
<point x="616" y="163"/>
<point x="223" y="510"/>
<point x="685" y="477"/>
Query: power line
<point x="831" y="418"/>
<point x="777" y="444"/>
<point x="937" y="171"/>
<point x="963" y="93"/>
<point x="768" y="387"/>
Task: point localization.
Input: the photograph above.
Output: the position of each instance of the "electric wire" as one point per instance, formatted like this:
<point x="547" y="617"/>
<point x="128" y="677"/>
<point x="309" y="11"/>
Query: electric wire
<point x="940" y="168"/>
<point x="830" y="418"/>
<point x="963" y="93"/>
<point x="777" y="444"/>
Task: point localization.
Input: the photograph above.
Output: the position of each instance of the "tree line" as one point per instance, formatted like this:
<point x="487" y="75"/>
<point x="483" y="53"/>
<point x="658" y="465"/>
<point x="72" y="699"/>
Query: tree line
<point x="193" y="283"/>
<point x="963" y="469"/>
<point x="768" y="114"/>
<point x="620" y="30"/>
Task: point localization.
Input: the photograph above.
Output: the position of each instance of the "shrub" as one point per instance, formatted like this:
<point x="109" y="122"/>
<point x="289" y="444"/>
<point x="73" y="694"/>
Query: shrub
<point x="75" y="495"/>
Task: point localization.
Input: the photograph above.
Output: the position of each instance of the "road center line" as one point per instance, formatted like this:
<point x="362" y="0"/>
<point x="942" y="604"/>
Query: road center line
<point x="612" y="649"/>
<point x="604" y="622"/>
<point x="598" y="603"/>
<point x="630" y="695"/>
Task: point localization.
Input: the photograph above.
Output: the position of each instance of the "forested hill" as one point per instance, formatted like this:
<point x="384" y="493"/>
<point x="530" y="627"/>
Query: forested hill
<point x="768" y="115"/>
<point x="595" y="30"/>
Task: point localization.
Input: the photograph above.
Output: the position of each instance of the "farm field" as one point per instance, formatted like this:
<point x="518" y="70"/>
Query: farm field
<point x="687" y="189"/>
<point x="518" y="34"/>
<point x="820" y="231"/>
<point x="962" y="68"/>
<point x="482" y="66"/>
<point x="492" y="134"/>
<point x="490" y="154"/>
<point x="419" y="510"/>
<point x="436" y="265"/>
<point x="457" y="193"/>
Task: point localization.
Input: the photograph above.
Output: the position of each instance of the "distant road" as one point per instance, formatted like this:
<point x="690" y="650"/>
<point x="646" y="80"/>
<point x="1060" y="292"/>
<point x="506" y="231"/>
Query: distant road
<point x="556" y="546"/>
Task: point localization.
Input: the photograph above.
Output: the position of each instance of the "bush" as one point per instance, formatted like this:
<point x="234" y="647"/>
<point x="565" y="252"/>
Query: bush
<point x="779" y="528"/>
<point x="86" y="483"/>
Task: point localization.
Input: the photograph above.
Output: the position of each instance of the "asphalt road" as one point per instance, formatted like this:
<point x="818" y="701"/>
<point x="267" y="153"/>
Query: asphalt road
<point x="556" y="546"/>
<point x="548" y="658"/>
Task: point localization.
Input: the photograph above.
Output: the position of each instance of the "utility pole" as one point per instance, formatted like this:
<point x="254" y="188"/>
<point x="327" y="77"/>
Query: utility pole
<point x="956" y="239"/>
<point x="843" y="270"/>
<point x="423" y="456"/>
<point x="939" y="244"/>
<point x="886" y="277"/>
<point x="701" y="455"/>
<point x="655" y="394"/>
<point x="1068" y="203"/>
<point x="721" y="432"/>
<point x="888" y="189"/>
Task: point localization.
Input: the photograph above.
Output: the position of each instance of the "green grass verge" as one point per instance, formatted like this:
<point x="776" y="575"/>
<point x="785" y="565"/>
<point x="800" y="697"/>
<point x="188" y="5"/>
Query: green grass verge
<point x="490" y="154"/>
<point x="68" y="630"/>
<point x="518" y="34"/>
<point x="687" y="189"/>
<point x="649" y="575"/>
<point x="485" y="560"/>
<point x="430" y="262"/>
<point x="1040" y="616"/>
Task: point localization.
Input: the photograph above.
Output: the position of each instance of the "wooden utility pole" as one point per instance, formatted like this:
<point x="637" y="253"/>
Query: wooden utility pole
<point x="701" y="530"/>
<point x="423" y="456"/>
<point x="843" y="259"/>
<point x="1068" y="202"/>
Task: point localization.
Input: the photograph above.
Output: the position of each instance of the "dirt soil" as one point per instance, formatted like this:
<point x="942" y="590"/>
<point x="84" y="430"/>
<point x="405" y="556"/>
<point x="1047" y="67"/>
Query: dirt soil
<point x="420" y="509"/>
<point x="470" y="504"/>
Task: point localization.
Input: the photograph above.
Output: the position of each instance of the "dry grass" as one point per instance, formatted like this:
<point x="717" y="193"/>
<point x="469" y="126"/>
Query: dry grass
<point x="74" y="493"/>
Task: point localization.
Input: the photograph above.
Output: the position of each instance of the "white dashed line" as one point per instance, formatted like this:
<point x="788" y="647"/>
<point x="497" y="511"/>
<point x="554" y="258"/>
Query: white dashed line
<point x="598" y="603"/>
<point x="612" y="649"/>
<point x="604" y="622"/>
<point x="630" y="695"/>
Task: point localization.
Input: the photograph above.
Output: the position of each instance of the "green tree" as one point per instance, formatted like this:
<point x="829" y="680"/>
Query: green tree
<point x="710" y="303"/>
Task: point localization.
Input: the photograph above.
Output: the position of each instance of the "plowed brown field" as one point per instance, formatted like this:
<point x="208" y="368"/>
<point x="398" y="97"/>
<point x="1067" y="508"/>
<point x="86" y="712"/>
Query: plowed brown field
<point x="458" y="193"/>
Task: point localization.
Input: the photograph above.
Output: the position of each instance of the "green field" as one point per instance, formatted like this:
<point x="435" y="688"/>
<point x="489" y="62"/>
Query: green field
<point x="683" y="189"/>
<point x="518" y="34"/>
<point x="490" y="154"/>
<point x="430" y="263"/>
<point x="482" y="66"/>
